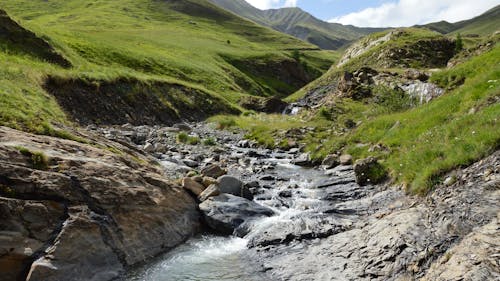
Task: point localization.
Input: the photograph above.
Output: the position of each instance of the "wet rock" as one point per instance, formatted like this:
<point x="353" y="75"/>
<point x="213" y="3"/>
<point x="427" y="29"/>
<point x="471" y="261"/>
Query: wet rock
<point x="267" y="178"/>
<point x="225" y="213"/>
<point x="244" y="144"/>
<point x="190" y="163"/>
<point x="213" y="171"/>
<point x="302" y="160"/>
<point x="369" y="171"/>
<point x="234" y="186"/>
<point x="330" y="161"/>
<point x="423" y="92"/>
<point x="285" y="194"/>
<point x="192" y="186"/>
<point x="345" y="159"/>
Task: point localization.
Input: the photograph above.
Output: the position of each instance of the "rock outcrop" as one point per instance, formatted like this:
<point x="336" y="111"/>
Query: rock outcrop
<point x="87" y="210"/>
<point x="375" y="233"/>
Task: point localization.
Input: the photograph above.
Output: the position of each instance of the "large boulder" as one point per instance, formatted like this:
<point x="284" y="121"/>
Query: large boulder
<point x="234" y="186"/>
<point x="225" y="213"/>
<point x="87" y="213"/>
<point x="369" y="171"/>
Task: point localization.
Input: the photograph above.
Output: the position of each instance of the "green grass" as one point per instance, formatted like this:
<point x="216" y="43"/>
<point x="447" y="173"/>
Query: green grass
<point x="38" y="160"/>
<point x="178" y="42"/>
<point x="185" y="138"/>
<point x="422" y="143"/>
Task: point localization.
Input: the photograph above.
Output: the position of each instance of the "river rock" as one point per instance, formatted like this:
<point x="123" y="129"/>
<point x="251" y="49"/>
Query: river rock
<point x="345" y="159"/>
<point x="330" y="161"/>
<point x="120" y="209"/>
<point x="234" y="186"/>
<point x="211" y="191"/>
<point x="302" y="160"/>
<point x="207" y="181"/>
<point x="369" y="171"/>
<point x="213" y="171"/>
<point x="190" y="163"/>
<point x="148" y="147"/>
<point x="192" y="186"/>
<point x="183" y="127"/>
<point x="225" y="213"/>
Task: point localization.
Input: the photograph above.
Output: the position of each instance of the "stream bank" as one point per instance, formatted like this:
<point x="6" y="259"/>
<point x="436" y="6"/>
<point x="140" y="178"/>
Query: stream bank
<point x="327" y="227"/>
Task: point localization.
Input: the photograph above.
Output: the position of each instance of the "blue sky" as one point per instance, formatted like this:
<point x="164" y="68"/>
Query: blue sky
<point x="383" y="13"/>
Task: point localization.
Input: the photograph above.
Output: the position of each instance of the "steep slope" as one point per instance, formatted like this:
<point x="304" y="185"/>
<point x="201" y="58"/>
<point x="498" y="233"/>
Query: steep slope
<point x="14" y="37"/>
<point x="300" y="24"/>
<point x="484" y="24"/>
<point x="188" y="47"/>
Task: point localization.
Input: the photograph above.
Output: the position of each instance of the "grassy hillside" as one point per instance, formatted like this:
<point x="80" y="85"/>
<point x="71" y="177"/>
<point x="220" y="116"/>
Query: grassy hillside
<point x="189" y="44"/>
<point x="416" y="144"/>
<point x="485" y="24"/>
<point x="300" y="24"/>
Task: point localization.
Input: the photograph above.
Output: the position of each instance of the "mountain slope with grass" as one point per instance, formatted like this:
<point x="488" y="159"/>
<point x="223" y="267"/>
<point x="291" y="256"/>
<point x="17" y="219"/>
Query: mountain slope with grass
<point x="183" y="56"/>
<point x="484" y="24"/>
<point x="393" y="97"/>
<point x="300" y="24"/>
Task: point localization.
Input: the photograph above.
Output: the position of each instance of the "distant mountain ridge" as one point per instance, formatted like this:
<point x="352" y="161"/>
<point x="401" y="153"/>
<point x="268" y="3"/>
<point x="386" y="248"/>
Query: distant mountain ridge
<point x="300" y="24"/>
<point x="483" y="24"/>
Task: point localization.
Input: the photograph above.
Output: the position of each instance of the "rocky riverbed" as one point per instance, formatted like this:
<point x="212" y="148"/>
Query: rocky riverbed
<point x="320" y="224"/>
<point x="280" y="218"/>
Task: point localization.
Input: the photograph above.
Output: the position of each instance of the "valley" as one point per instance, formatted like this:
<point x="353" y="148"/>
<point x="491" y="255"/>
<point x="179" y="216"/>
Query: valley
<point x="210" y="140"/>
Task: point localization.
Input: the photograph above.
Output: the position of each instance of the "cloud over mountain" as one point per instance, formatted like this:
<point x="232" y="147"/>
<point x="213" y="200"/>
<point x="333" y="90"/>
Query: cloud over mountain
<point x="411" y="12"/>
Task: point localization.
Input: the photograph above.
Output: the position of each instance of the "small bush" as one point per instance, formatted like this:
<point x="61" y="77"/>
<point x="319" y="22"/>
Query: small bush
<point x="326" y="113"/>
<point x="225" y="123"/>
<point x="193" y="140"/>
<point x="392" y="100"/>
<point x="209" y="142"/>
<point x="185" y="138"/>
<point x="182" y="137"/>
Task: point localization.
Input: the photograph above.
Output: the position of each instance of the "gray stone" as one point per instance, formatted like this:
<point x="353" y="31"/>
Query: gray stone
<point x="190" y="163"/>
<point x="369" y="171"/>
<point x="225" y="213"/>
<point x="330" y="161"/>
<point x="234" y="186"/>
<point x="345" y="159"/>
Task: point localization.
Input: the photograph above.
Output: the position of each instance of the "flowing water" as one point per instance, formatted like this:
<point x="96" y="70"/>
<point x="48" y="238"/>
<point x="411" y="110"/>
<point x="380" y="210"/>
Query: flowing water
<point x="210" y="257"/>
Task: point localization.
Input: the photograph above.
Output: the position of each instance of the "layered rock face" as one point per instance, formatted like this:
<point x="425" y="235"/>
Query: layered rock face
<point x="383" y="234"/>
<point x="84" y="210"/>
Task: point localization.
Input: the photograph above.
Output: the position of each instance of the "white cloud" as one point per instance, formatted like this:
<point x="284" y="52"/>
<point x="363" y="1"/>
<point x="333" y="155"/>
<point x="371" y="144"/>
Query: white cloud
<point x="411" y="12"/>
<point x="270" y="4"/>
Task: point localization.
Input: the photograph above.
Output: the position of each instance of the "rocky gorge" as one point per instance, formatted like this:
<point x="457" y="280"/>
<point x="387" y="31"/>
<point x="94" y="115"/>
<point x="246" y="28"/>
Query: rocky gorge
<point x="101" y="210"/>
